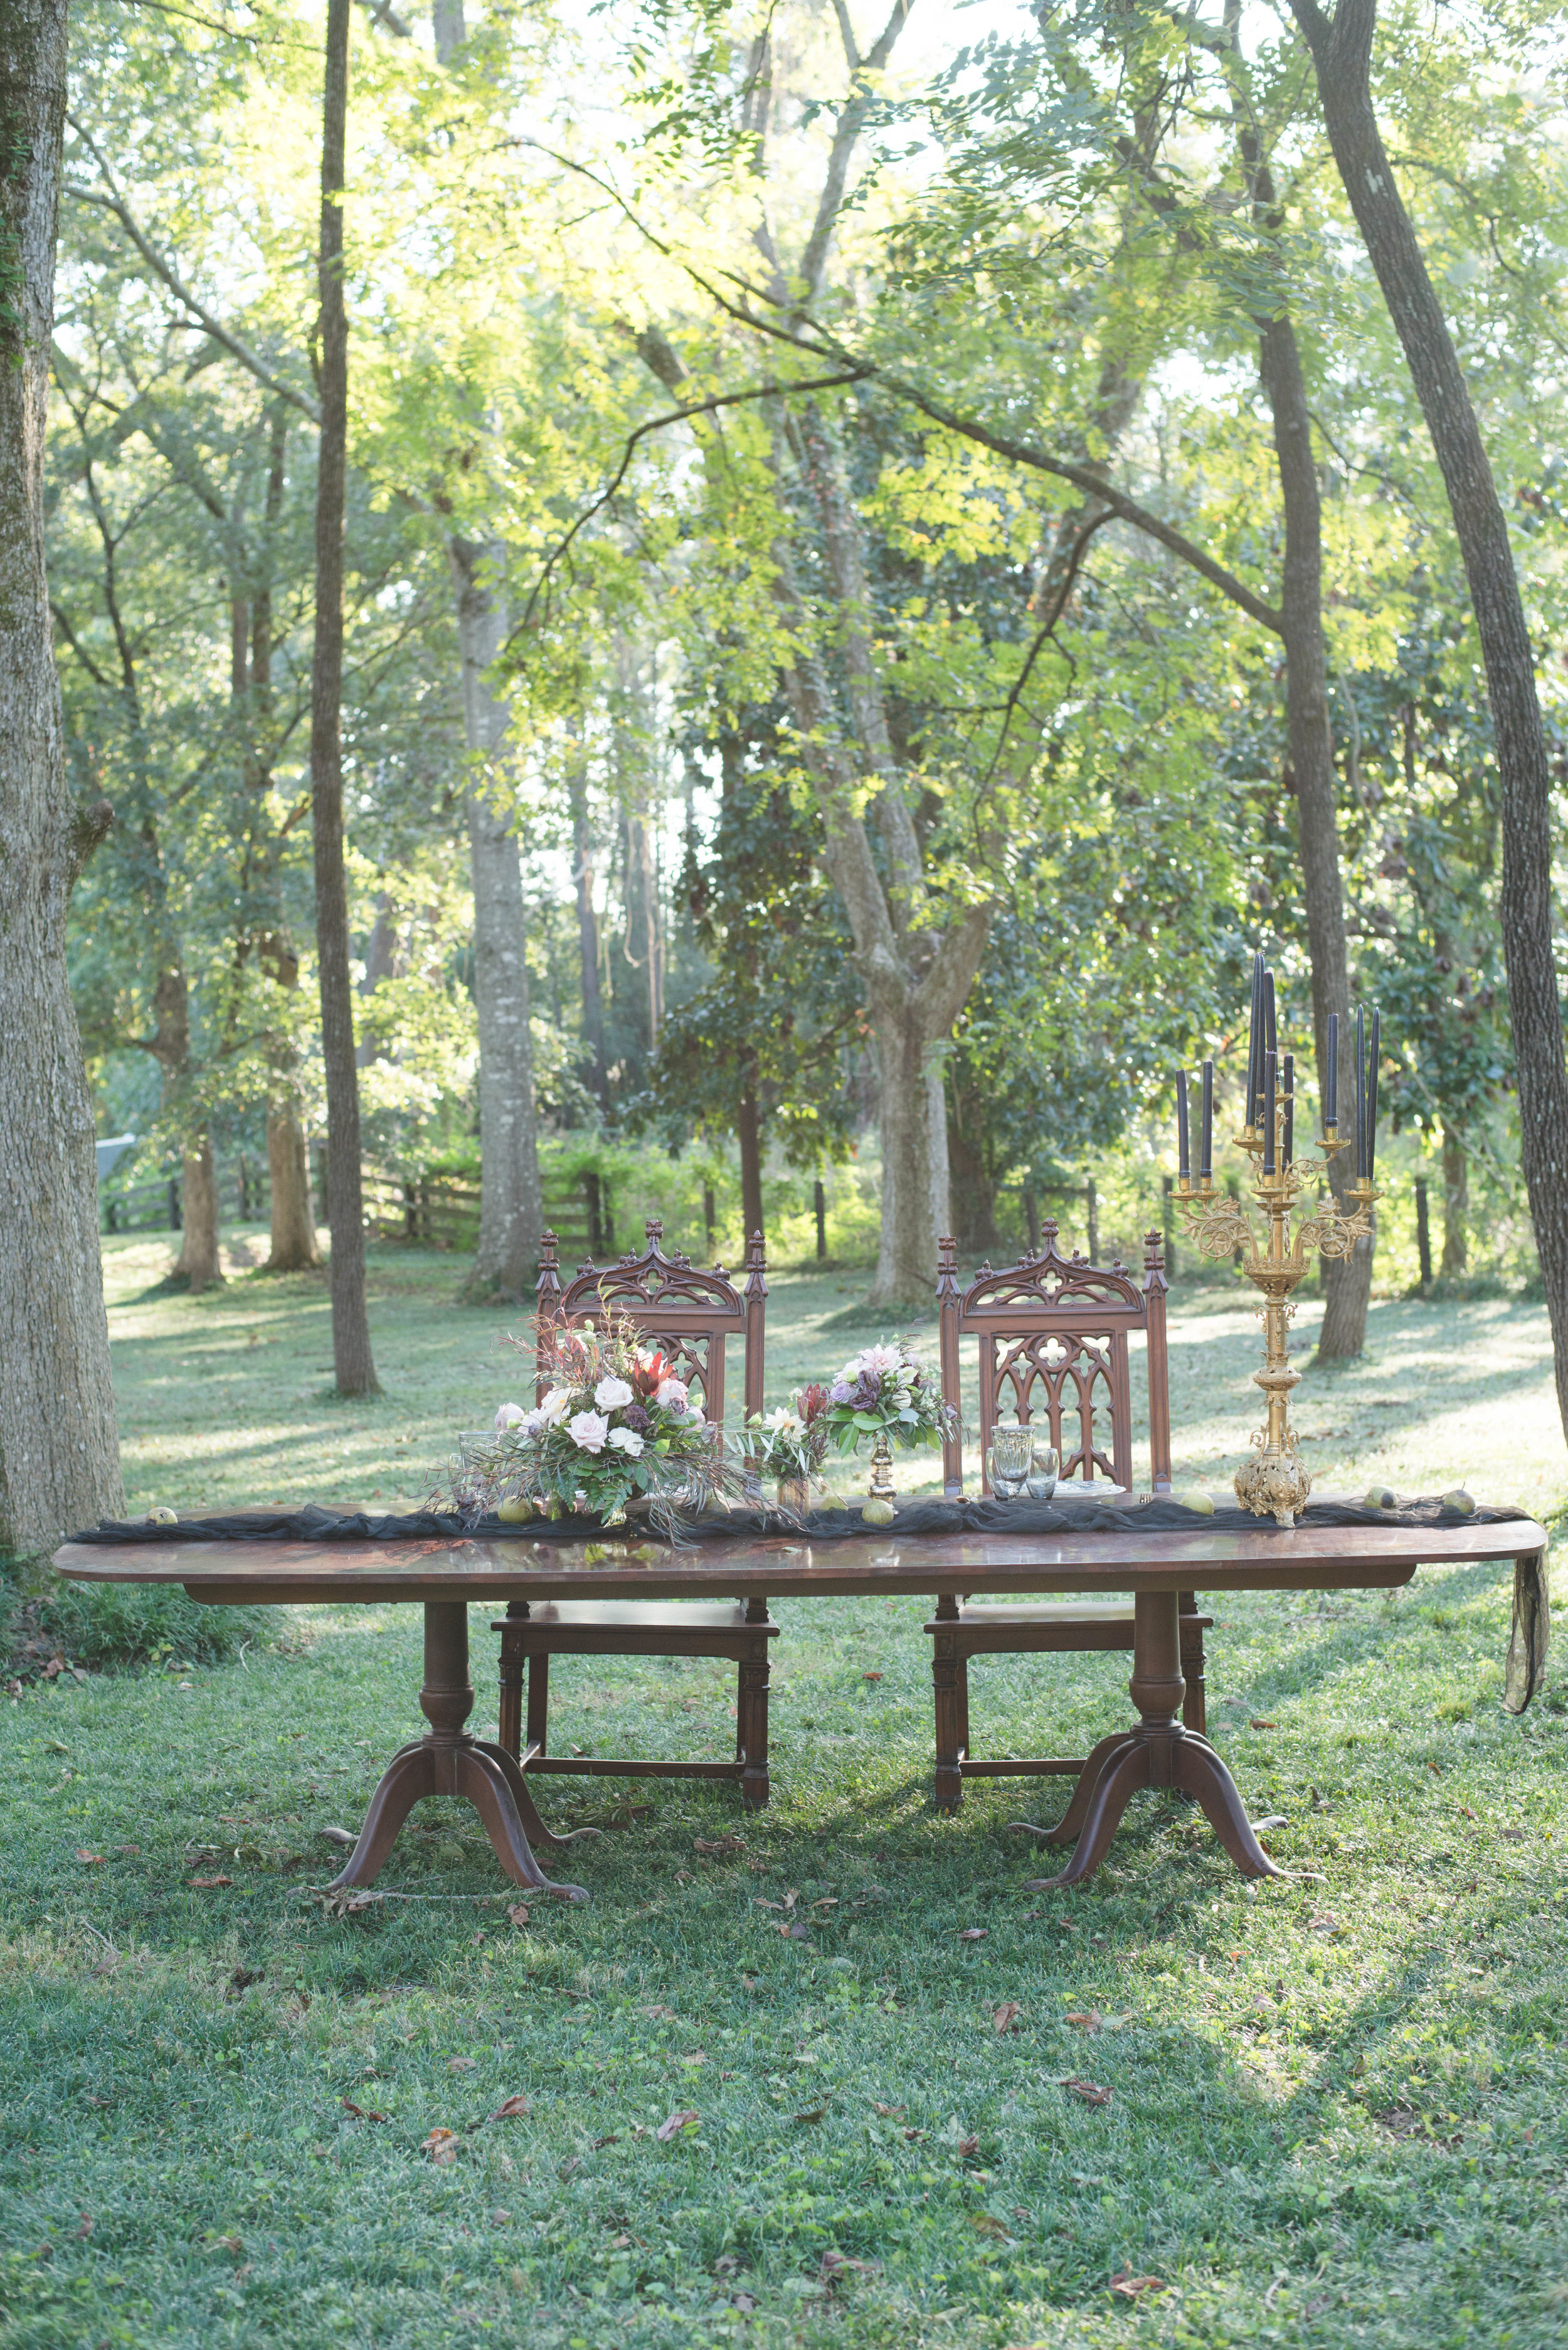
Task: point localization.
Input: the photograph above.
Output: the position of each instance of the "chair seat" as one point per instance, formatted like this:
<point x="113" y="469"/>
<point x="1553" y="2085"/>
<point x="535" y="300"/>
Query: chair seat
<point x="634" y="1627"/>
<point x="1049" y="1627"/>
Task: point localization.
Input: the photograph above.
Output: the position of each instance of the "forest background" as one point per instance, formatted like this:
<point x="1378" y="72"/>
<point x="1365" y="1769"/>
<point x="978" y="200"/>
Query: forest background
<point x="818" y="558"/>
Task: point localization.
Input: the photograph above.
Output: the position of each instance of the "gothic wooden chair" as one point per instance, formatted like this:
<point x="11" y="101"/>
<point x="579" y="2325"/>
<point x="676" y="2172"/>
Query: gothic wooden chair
<point x="690" y="1314"/>
<point x="1053" y="1332"/>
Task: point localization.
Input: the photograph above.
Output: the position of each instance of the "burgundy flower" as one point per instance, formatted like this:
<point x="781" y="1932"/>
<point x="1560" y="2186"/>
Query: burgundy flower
<point x="633" y="1415"/>
<point x="814" y="1402"/>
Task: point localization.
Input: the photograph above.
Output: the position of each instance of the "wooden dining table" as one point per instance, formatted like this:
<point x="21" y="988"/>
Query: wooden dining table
<point x="445" y="1575"/>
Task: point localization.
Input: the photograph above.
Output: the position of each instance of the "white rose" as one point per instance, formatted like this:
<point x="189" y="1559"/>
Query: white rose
<point x="555" y="1406"/>
<point x="588" y="1430"/>
<point x="509" y="1415"/>
<point x="611" y="1394"/>
<point x="627" y="1440"/>
<point x="670" y="1395"/>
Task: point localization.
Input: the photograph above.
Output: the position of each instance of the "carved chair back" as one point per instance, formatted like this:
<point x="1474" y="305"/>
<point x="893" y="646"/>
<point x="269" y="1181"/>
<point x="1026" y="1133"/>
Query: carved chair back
<point x="1053" y="1334"/>
<point x="686" y="1312"/>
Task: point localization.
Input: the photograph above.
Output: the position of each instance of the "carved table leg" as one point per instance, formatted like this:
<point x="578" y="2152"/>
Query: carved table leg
<point x="448" y="1762"/>
<point x="948" y="1677"/>
<point x="1158" y="1753"/>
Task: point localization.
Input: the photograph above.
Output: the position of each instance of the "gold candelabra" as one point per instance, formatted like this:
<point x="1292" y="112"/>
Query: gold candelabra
<point x="1275" y="1484"/>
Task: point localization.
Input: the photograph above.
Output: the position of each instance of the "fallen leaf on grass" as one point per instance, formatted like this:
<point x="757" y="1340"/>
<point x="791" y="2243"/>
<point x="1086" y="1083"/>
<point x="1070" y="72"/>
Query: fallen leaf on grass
<point x="344" y="1836"/>
<point x="870" y="1677"/>
<point x="1132" y="2288"/>
<point x="1090" y="2021"/>
<point x="518" y="1913"/>
<point x="611" y="2138"/>
<point x="913" y="2135"/>
<point x="836" y="2266"/>
<point x="95" y="2101"/>
<point x="798" y="1932"/>
<point x="1467" y="1811"/>
<point x="1512" y="1836"/>
<point x="92" y="1859"/>
<point x="462" y="2065"/>
<point x="233" y="2245"/>
<point x="566" y="2169"/>
<point x="1090" y="2091"/>
<point x="442" y="2146"/>
<point x="1260" y="1724"/>
<point x="85" y="2229"/>
<point x="988" y="2225"/>
<point x="660" y="2015"/>
<point x="205" y="1884"/>
<point x="360" y="2113"/>
<point x="719" y="1848"/>
<point x="968" y="2145"/>
<point x="1005" y="2017"/>
<point x="973" y="1933"/>
<point x="511" y="2109"/>
<point x="829" y="1901"/>
<point x="744" y="2302"/>
<point x="499" y="2218"/>
<point x="813" y="2113"/>
<point x="675" y="2124"/>
<point x="1273" y="1820"/>
<point x="890" y="2113"/>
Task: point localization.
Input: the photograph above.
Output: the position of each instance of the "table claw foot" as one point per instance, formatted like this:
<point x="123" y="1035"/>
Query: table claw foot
<point x="534" y="1827"/>
<point x="1118" y="1783"/>
<point x="1199" y="1770"/>
<point x="407" y="1779"/>
<point x="1104" y="1759"/>
<point x="480" y="1779"/>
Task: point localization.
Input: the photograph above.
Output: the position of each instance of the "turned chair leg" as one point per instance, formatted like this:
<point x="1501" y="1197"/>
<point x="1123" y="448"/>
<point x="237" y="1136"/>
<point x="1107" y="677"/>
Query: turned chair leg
<point x="509" y="1722"/>
<point x="752" y="1710"/>
<point x="538" y="1703"/>
<point x="949" y="1683"/>
<point x="1194" y="1715"/>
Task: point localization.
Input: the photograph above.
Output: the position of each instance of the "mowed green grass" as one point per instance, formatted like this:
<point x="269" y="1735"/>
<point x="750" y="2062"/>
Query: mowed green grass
<point x="1336" y="2104"/>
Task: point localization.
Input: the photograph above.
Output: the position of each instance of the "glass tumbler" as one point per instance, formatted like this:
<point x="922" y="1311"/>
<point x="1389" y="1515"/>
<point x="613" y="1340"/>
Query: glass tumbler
<point x="1008" y="1462"/>
<point x="1043" y="1470"/>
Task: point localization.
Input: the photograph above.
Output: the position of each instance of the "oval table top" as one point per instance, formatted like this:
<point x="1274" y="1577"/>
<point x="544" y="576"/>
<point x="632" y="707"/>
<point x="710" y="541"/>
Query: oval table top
<point x="1302" y="1558"/>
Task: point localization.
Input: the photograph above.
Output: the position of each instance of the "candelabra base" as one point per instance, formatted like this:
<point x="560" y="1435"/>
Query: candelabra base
<point x="1275" y="1485"/>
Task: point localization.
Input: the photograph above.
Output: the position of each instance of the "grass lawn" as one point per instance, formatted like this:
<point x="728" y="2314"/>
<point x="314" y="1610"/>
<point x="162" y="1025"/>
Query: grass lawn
<point x="1336" y="2107"/>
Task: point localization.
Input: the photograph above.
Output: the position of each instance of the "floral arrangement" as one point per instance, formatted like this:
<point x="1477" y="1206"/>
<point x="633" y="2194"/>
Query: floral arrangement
<point x="886" y="1392"/>
<point x="615" y="1425"/>
<point x="788" y="1442"/>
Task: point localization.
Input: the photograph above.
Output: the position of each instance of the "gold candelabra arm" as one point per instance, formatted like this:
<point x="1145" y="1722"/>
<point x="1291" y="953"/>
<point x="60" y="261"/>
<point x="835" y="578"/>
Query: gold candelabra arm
<point x="1215" y="1223"/>
<point x="1332" y="1235"/>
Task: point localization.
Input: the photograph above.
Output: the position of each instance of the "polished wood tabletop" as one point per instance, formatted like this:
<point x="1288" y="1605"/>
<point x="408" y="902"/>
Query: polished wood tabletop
<point x="783" y="1565"/>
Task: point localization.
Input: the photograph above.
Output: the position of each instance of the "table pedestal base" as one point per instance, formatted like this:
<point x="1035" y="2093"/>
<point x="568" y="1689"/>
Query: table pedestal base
<point x="448" y="1762"/>
<point x="1158" y="1753"/>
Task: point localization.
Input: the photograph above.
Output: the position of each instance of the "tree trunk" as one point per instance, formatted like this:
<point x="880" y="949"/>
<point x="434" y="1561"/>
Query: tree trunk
<point x="1342" y="51"/>
<point x="588" y="920"/>
<point x="1347" y="1279"/>
<point x="197" y="1264"/>
<point x="972" y="1193"/>
<point x="59" y="1460"/>
<point x="511" y="1212"/>
<point x="748" y="1134"/>
<point x="356" y="1371"/>
<point x="1456" y="1204"/>
<point x="293" y="1248"/>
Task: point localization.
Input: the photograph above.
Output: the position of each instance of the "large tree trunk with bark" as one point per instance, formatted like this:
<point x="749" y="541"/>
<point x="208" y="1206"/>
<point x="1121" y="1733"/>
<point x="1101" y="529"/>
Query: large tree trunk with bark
<point x="1341" y="51"/>
<point x="511" y="1212"/>
<point x="588" y="920"/>
<point x="1455" y="1205"/>
<point x="59" y="1459"/>
<point x="1348" y="1280"/>
<point x="197" y="1264"/>
<point x="749" y="1135"/>
<point x="293" y="1248"/>
<point x="356" y="1371"/>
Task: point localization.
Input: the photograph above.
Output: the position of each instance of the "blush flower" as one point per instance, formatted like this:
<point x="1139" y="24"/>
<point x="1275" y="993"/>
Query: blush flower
<point x="509" y="1415"/>
<point x="588" y="1430"/>
<point x="627" y="1440"/>
<point x="611" y="1394"/>
<point x="670" y="1395"/>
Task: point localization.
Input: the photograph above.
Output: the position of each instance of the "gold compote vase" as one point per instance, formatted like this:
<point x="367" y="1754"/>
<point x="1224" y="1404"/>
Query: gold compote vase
<point x="1275" y="1484"/>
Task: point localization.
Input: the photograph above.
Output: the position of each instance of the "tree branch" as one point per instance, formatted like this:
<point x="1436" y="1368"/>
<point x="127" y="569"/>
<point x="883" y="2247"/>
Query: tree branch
<point x="114" y="202"/>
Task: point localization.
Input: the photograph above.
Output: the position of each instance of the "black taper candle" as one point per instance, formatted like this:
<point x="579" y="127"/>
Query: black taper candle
<point x="1331" y="1075"/>
<point x="1271" y="1042"/>
<point x="1360" y="1094"/>
<point x="1371" y="1094"/>
<point x="1183" y="1149"/>
<point x="1270" y="1060"/>
<point x="1255" y="1045"/>
<point x="1289" y="1149"/>
<point x="1205" y="1163"/>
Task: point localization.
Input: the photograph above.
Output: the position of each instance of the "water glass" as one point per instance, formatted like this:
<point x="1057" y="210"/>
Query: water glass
<point x="1043" y="1470"/>
<point x="1008" y="1462"/>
